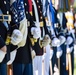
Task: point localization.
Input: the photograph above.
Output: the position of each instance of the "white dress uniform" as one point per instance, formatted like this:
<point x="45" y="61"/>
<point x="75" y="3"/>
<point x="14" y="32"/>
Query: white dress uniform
<point x="37" y="61"/>
<point x="49" y="52"/>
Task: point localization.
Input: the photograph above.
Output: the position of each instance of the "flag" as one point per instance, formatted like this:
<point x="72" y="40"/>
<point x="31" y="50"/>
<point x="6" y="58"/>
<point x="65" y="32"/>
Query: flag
<point x="53" y="13"/>
<point x="13" y="11"/>
<point x="30" y="6"/>
<point x="19" y="18"/>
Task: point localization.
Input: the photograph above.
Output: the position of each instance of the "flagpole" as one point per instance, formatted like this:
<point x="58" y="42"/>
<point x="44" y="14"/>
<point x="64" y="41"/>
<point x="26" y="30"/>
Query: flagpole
<point x="51" y="71"/>
<point x="9" y="70"/>
<point x="70" y="66"/>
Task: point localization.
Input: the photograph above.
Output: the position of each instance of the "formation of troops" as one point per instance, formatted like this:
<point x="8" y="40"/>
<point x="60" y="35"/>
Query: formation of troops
<point x="37" y="37"/>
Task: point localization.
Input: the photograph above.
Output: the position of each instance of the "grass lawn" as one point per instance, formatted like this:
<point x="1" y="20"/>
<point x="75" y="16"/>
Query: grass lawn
<point x="75" y="66"/>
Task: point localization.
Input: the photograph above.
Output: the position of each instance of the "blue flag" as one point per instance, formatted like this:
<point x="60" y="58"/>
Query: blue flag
<point x="18" y="11"/>
<point x="53" y="13"/>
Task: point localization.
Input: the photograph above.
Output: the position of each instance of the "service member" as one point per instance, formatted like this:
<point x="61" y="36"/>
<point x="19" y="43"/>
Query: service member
<point x="5" y="19"/>
<point x="70" y="36"/>
<point x="44" y="38"/>
<point x="22" y="64"/>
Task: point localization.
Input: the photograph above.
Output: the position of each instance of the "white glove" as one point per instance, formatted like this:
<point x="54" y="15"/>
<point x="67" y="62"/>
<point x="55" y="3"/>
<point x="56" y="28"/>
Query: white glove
<point x="55" y="42"/>
<point x="56" y="73"/>
<point x="51" y="54"/>
<point x="43" y="57"/>
<point x="12" y="57"/>
<point x="2" y="55"/>
<point x="59" y="52"/>
<point x="46" y="40"/>
<point x="36" y="32"/>
<point x="33" y="54"/>
<point x="69" y="50"/>
<point x="69" y="40"/>
<point x="16" y="37"/>
<point x="56" y="70"/>
<point x="72" y="31"/>
<point x="62" y="39"/>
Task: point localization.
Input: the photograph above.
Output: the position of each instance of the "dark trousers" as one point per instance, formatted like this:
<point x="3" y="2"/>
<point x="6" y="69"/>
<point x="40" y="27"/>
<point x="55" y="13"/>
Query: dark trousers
<point x="63" y="61"/>
<point x="54" y="58"/>
<point x="22" y="69"/>
<point x="3" y="69"/>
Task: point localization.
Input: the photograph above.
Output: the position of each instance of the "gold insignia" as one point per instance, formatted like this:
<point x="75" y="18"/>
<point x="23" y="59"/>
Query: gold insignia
<point x="8" y="39"/>
<point x="31" y="13"/>
<point x="33" y="40"/>
<point x="41" y="24"/>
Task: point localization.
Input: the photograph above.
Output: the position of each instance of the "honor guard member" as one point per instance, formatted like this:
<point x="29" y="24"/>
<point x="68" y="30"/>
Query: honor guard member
<point x="54" y="21"/>
<point x="42" y="41"/>
<point x="49" y="30"/>
<point x="19" y="38"/>
<point x="70" y="38"/>
<point x="28" y="11"/>
<point x="59" y="34"/>
<point x="23" y="61"/>
<point x="47" y="14"/>
<point x="34" y="32"/>
<point x="62" y="21"/>
<point x="5" y="19"/>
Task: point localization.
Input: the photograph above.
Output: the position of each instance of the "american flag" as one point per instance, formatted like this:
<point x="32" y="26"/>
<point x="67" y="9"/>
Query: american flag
<point x="17" y="10"/>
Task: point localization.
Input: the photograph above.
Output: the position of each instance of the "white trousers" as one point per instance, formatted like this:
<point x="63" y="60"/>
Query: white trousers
<point x="37" y="65"/>
<point x="47" y="60"/>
